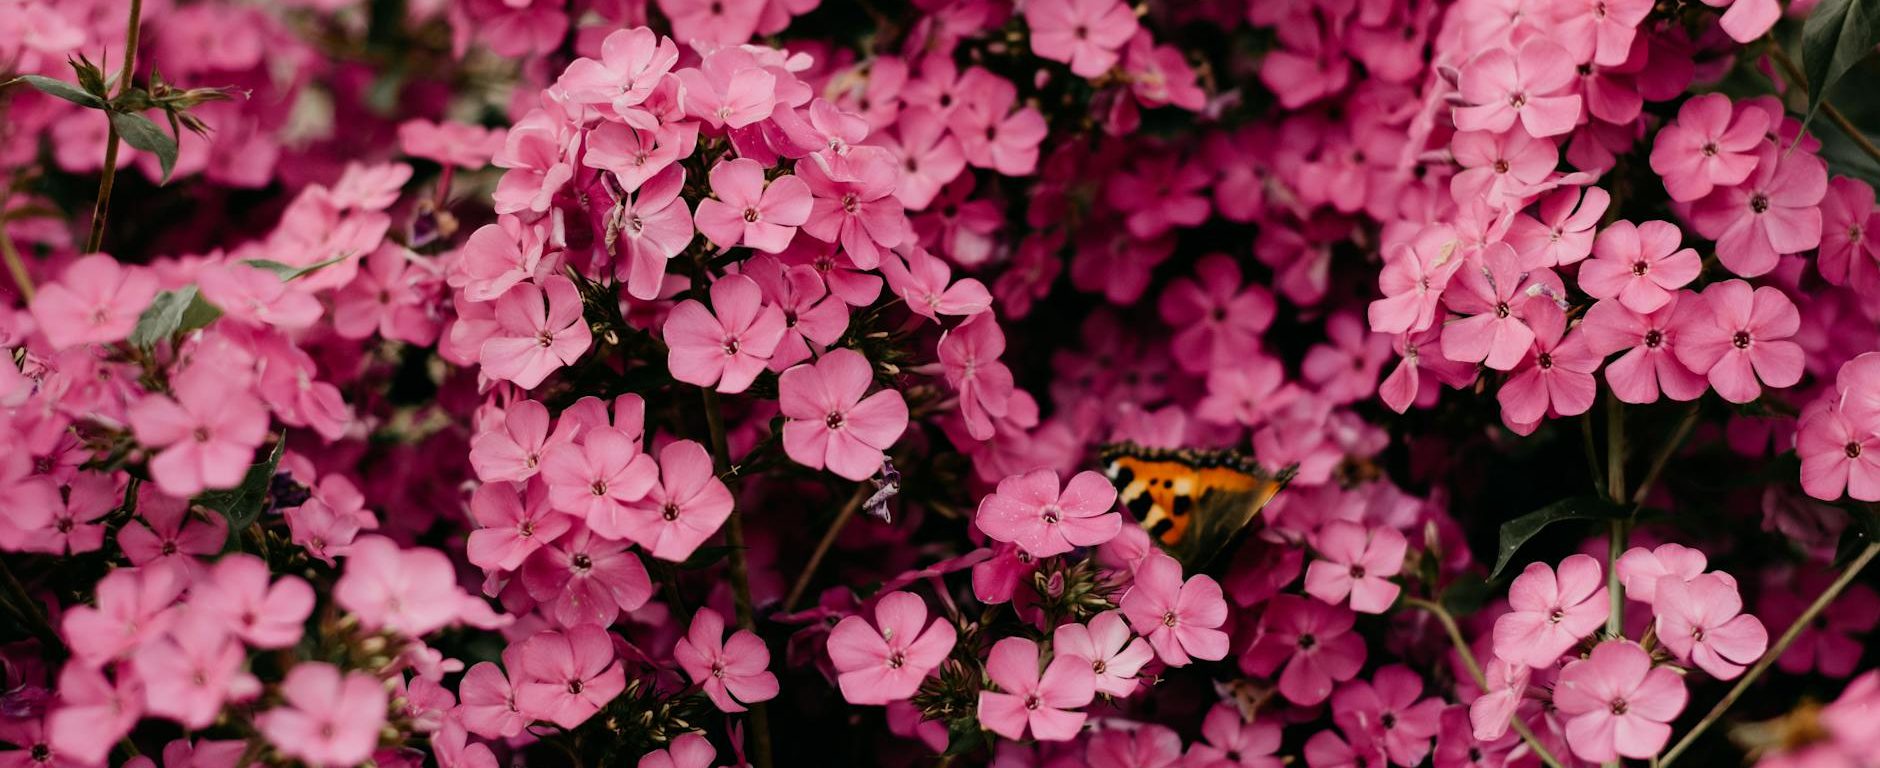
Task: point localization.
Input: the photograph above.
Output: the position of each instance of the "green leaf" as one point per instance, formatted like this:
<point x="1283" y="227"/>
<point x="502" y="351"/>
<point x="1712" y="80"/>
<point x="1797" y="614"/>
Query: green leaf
<point x="289" y="272"/>
<point x="1516" y="532"/>
<point x="1837" y="35"/>
<point x="143" y="134"/>
<point x="243" y="504"/>
<point x="170" y="313"/>
<point x="64" y="90"/>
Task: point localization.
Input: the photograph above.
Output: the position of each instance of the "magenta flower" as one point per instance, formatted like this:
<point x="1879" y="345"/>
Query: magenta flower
<point x="192" y="672"/>
<point x="1029" y="701"/>
<point x="1532" y="85"/>
<point x="683" y="509"/>
<point x="1650" y="364"/>
<point x="1356" y="561"/>
<point x="729" y="670"/>
<point x="1495" y="293"/>
<point x="328" y="719"/>
<point x="167" y="530"/>
<point x="830" y="424"/>
<point x="488" y="706"/>
<point x="1640" y="265"/>
<point x="727" y="349"/>
<point x="1840" y="455"/>
<point x="654" y="226"/>
<point x="1217" y="319"/>
<point x="969" y="356"/>
<point x="1777" y="210"/>
<point x="1086" y="34"/>
<point x="393" y="296"/>
<point x="1550" y="612"/>
<point x="813" y="318"/>
<point x="1146" y="746"/>
<point x="1180" y="619"/>
<point x="585" y="579"/>
<point x="1701" y="620"/>
<point x="748" y="211"/>
<point x="510" y="528"/>
<point x="1312" y="641"/>
<point x="1735" y="335"/>
<point x="994" y="130"/>
<point x="887" y="662"/>
<point x="566" y="677"/>
<point x="1390" y="706"/>
<point x="1412" y="281"/>
<point x="1747" y="19"/>
<point x="1832" y="644"/>
<point x="927" y="285"/>
<point x="1555" y="378"/>
<point x="632" y="63"/>
<point x="235" y="597"/>
<point x="133" y="606"/>
<point x="1564" y="232"/>
<point x="594" y="480"/>
<point x="539" y="330"/>
<point x="1710" y="145"/>
<point x="689" y="750"/>
<point x="1849" y="256"/>
<point x="1617" y="704"/>
<point x="207" y="432"/>
<point x="1115" y="653"/>
<point x="258" y="297"/>
<point x="1326" y="750"/>
<point x="1230" y="741"/>
<point x="95" y="301"/>
<point x="854" y="203"/>
<point x="1030" y="511"/>
<point x="93" y="712"/>
<point x="1500" y="168"/>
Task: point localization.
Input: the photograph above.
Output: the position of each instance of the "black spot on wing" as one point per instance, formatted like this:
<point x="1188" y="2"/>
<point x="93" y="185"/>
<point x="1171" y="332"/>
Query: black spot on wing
<point x="1141" y="505"/>
<point x="1182" y="505"/>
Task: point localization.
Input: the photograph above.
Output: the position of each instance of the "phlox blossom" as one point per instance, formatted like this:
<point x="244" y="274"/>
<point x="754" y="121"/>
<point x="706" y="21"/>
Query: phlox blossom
<point x="568" y="676"/>
<point x="1027" y="701"/>
<point x="1551" y="611"/>
<point x="330" y="718"/>
<point x="1180" y="619"/>
<point x="1617" y="704"/>
<point x="1356" y="562"/>
<point x="829" y="421"/>
<point x="887" y="661"/>
<point x="725" y="346"/>
<point x="732" y="671"/>
<point x="95" y="301"/>
<point x="1031" y="511"/>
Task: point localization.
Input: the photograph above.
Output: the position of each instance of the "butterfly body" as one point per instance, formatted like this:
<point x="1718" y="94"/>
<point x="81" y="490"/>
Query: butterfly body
<point x="1192" y="502"/>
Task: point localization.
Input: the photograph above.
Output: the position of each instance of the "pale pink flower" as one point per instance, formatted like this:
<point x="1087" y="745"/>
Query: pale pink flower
<point x="395" y="296"/>
<point x="1641" y="569"/>
<point x="133" y="606"/>
<point x="1495" y="293"/>
<point x="1777" y="210"/>
<point x="258" y="297"/>
<point x="327" y="720"/>
<point x="1735" y="335"/>
<point x="412" y="592"/>
<point x="1230" y="741"/>
<point x="726" y="349"/>
<point x="1850" y="252"/>
<point x="930" y="155"/>
<point x="1412" y="280"/>
<point x="585" y="579"/>
<point x="1115" y="653"/>
<point x="887" y="662"/>
<point x="830" y="424"/>
<point x="730" y="22"/>
<point x="235" y="596"/>
<point x="1747" y="19"/>
<point x="1640" y="265"/>
<point x="497" y="256"/>
<point x="969" y="357"/>
<point x="167" y="529"/>
<point x="1390" y="707"/>
<point x="207" y="432"/>
<point x="922" y="280"/>
<point x="539" y="330"/>
<point x="488" y="707"/>
<point x="1180" y="619"/>
<point x="95" y="301"/>
<point x="191" y="672"/>
<point x="994" y="130"/>
<point x="631" y="65"/>
<point x="566" y="677"/>
<point x="510" y="527"/>
<point x="733" y="671"/>
<point x="1500" y="168"/>
<point x="1599" y="31"/>
<point x="748" y="211"/>
<point x="683" y="509"/>
<point x="1702" y="621"/>
<point x="1028" y="701"/>
<point x="512" y="450"/>
<point x="813" y="318"/>
<point x="1650" y="364"/>
<point x="728" y="89"/>
<point x="1838" y="457"/>
<point x="1710" y="145"/>
<point x="1550" y="612"/>
<point x="1030" y="511"/>
<point x="689" y="750"/>
<point x="1555" y="378"/>
<point x="654" y="226"/>
<point x="1356" y="561"/>
<point x="1532" y="84"/>
<point x="1086" y="34"/>
<point x="595" y="479"/>
<point x="854" y="203"/>
<point x="93" y="712"/>
<point x="1617" y="704"/>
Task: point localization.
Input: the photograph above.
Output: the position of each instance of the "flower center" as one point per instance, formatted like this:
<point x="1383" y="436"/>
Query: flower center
<point x="897" y="659"/>
<point x="1640" y="267"/>
<point x="1853" y="450"/>
<point x="1654" y="337"/>
<point x="545" y="338"/>
<point x="669" y="511"/>
<point x="1033" y="702"/>
<point x="1099" y="667"/>
<point x="849" y="202"/>
<point x="1357" y="571"/>
<point x="1051" y="513"/>
<point x="1545" y="360"/>
<point x="1710" y="149"/>
<point x="526" y="529"/>
<point x="1740" y="339"/>
<point x="731" y="346"/>
<point x="1502" y="310"/>
<point x="1307" y="641"/>
<point x="1517" y="100"/>
<point x="575" y="686"/>
<point x="1169" y="619"/>
<point x="581" y="561"/>
<point x="1619" y="706"/>
<point x="833" y="420"/>
<point x="201" y="434"/>
<point x="750" y="215"/>
<point x="1501" y="166"/>
<point x="1759" y="202"/>
<point x="599" y="487"/>
<point x="1556" y="615"/>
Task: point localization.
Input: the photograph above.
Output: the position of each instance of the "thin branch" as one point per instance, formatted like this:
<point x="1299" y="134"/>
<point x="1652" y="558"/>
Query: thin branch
<point x="15" y="265"/>
<point x="109" y="175"/>
<point x="1475" y="671"/>
<point x="822" y="547"/>
<point x="740" y="566"/>
<point x="1799" y="80"/>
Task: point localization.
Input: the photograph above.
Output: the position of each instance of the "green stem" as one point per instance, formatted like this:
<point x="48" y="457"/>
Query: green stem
<point x="1795" y="629"/>
<point x="740" y="566"/>
<point x="109" y="175"/>
<point x="1615" y="489"/>
<point x="16" y="266"/>
<point x="822" y="547"/>
<point x="1799" y="80"/>
<point x="1475" y="671"/>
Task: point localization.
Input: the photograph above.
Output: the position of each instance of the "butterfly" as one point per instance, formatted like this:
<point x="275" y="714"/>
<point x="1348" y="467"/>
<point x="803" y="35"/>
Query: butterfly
<point x="1193" y="503"/>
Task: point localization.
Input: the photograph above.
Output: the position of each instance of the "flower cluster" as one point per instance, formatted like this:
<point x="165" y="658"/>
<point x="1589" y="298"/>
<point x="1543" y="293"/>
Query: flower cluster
<point x="696" y="383"/>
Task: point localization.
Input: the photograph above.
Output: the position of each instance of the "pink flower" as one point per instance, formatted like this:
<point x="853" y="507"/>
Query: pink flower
<point x="730" y="348"/>
<point x="689" y="750"/>
<point x="1086" y="34"/>
<point x="1641" y="569"/>
<point x="450" y="142"/>
<point x="488" y="706"/>
<point x="854" y="203"/>
<point x="1701" y="620"/>
<point x="1412" y="281"/>
<point x="1146" y="746"/>
<point x="731" y="671"/>
<point x="412" y="592"/>
<point x="95" y="301"/>
<point x="1495" y="292"/>
<point x="1617" y="704"/>
<point x="328" y="720"/>
<point x="830" y="424"/>
<point x="1556" y="378"/>
<point x="1831" y="644"/>
<point x="566" y="677"/>
<point x="1233" y="742"/>
<point x="969" y="356"/>
<point x="1849" y="256"/>
<point x="208" y="433"/>
<point x="1180" y="619"/>
<point x="1312" y="640"/>
<point x="510" y="528"/>
<point x="992" y="133"/>
<point x="1564" y="232"/>
<point x="497" y="256"/>
<point x="539" y="330"/>
<point x="595" y="479"/>
<point x="1216" y="319"/>
<point x="730" y="23"/>
<point x="235" y="596"/>
<point x="813" y="318"/>
<point x="1358" y="562"/>
<point x="394" y="296"/>
<point x="887" y="662"/>
<point x="93" y="712"/>
<point x="512" y="449"/>
<point x="728" y="89"/>
<point x="1839" y="455"/>
<point x="1710" y="145"/>
<point x="258" y="297"/>
<point x="1030" y="511"/>
<point x="683" y="509"/>
<point x="1532" y="84"/>
<point x="1391" y="708"/>
<point x="1735" y="335"/>
<point x="1640" y="265"/>
<point x="930" y="156"/>
<point x="1026" y="700"/>
<point x="1500" y="168"/>
<point x="1776" y="210"/>
<point x="1650" y="364"/>
<point x="1550" y="612"/>
<point x="585" y="579"/>
<point x="1599" y="31"/>
<point x="190" y="673"/>
<point x="1747" y="19"/>
<point x="654" y="226"/>
<point x="167" y="529"/>
<point x="133" y="606"/>
<point x="535" y="155"/>
<point x="1115" y="654"/>
<point x="745" y="210"/>
<point x="632" y="63"/>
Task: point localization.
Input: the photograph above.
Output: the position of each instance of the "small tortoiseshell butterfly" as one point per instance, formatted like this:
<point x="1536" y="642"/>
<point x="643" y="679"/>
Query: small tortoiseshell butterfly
<point x="1193" y="503"/>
